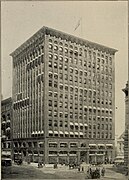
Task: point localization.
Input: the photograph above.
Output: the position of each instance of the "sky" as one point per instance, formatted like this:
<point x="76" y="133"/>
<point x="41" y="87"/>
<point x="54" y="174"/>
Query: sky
<point x="102" y="22"/>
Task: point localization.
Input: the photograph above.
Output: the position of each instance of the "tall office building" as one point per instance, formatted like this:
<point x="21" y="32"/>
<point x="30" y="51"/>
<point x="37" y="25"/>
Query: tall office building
<point x="63" y="99"/>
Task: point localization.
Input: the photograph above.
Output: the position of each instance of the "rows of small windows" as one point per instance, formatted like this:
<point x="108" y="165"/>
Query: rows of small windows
<point x="81" y="92"/>
<point x="55" y="113"/>
<point x="71" y="104"/>
<point x="28" y="144"/>
<point x="81" y="134"/>
<point x="54" y="77"/>
<point x="87" y="65"/>
<point x="21" y="103"/>
<point x="72" y="49"/>
<point x="30" y="56"/>
<point x="81" y="126"/>
<point x="35" y="63"/>
<point x="74" y="89"/>
<point x="74" y="145"/>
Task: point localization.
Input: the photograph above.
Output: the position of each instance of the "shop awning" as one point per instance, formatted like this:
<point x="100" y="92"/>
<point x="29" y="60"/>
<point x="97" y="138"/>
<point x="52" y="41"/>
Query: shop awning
<point x="66" y="132"/>
<point x="76" y="133"/>
<point x="42" y="132"/>
<point x="71" y="133"/>
<point x="92" y="145"/>
<point x="76" y="124"/>
<point x="119" y="160"/>
<point x="6" y="153"/>
<point x="101" y="145"/>
<point x="55" y="132"/>
<point x="85" y="124"/>
<point x="71" y="123"/>
<point x="3" y="136"/>
<point x="8" y="121"/>
<point x="61" y="132"/>
<point x="109" y="144"/>
<point x="41" y="142"/>
<point x="50" y="132"/>
<point x="80" y="124"/>
<point x="81" y="133"/>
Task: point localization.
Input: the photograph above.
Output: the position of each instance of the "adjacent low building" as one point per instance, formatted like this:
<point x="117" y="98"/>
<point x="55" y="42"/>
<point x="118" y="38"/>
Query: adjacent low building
<point x="63" y="99"/>
<point x="6" y="119"/>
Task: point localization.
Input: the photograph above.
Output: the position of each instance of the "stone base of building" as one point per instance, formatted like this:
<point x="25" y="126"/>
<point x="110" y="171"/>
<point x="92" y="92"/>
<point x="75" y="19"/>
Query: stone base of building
<point x="63" y="151"/>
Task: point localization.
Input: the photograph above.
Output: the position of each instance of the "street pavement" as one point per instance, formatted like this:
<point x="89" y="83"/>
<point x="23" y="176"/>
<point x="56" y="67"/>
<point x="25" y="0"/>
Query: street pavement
<point x="32" y="171"/>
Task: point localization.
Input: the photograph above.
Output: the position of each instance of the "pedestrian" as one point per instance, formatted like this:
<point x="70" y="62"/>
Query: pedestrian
<point x="103" y="171"/>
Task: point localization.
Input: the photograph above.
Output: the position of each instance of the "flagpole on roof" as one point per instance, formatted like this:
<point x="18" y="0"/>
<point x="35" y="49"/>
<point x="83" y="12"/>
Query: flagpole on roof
<point x="79" y="24"/>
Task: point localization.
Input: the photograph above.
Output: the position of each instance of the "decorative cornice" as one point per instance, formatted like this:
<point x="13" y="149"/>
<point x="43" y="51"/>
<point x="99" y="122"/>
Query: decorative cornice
<point x="49" y="31"/>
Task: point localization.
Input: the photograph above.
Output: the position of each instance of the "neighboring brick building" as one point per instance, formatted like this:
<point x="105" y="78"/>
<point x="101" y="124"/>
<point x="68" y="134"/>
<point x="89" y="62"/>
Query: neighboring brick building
<point x="63" y="99"/>
<point x="6" y="119"/>
<point x="126" y="138"/>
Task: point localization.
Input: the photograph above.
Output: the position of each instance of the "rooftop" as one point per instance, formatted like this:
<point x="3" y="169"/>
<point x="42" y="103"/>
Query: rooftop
<point x="46" y="30"/>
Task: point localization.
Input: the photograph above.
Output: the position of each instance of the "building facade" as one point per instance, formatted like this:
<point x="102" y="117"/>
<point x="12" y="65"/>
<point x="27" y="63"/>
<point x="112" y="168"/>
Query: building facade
<point x="6" y="119"/>
<point x="126" y="137"/>
<point x="120" y="146"/>
<point x="63" y="99"/>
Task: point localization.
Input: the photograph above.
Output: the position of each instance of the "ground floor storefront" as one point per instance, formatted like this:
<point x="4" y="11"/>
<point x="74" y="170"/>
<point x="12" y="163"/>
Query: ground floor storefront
<point x="63" y="151"/>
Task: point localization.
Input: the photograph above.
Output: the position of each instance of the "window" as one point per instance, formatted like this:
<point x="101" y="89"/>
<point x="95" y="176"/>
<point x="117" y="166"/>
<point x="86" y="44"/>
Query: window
<point x="66" y="115"/>
<point x="66" y="67"/>
<point x="55" y="103"/>
<point x="50" y="102"/>
<point x="55" y="95"/>
<point x="61" y="49"/>
<point x="61" y="114"/>
<point x="50" y="93"/>
<point x="50" y="64"/>
<point x="61" y="104"/>
<point x="61" y="123"/>
<point x="50" y="123"/>
<point x="75" y="60"/>
<point x="56" y="76"/>
<point x="50" y="112"/>
<point x="64" y="145"/>
<point x="50" y="46"/>
<point x="66" y="88"/>
<point x="76" y="79"/>
<point x="71" y="78"/>
<point x="61" y="58"/>
<point x="50" y="83"/>
<point x="55" y="48"/>
<point x="66" y="60"/>
<point x="61" y="76"/>
<point x="71" y="70"/>
<point x="55" y="123"/>
<point x="61" y="86"/>
<point x="80" y="62"/>
<point x="52" y="144"/>
<point x="66" y="50"/>
<point x="55" y="84"/>
<point x="66" y="76"/>
<point x="55" y="65"/>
